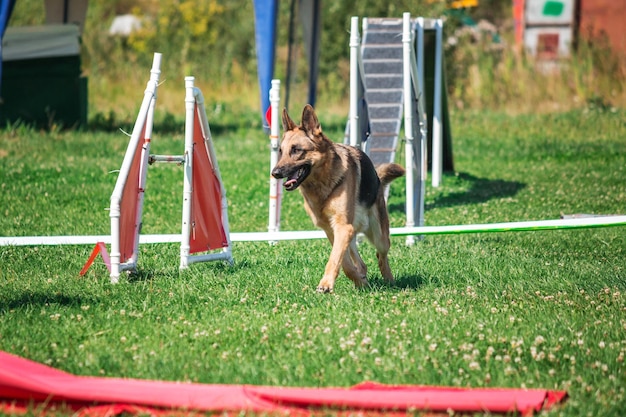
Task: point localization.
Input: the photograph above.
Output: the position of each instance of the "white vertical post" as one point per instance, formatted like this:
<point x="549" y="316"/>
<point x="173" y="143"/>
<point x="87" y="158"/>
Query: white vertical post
<point x="115" y="255"/>
<point x="437" y="125"/>
<point x="408" y="123"/>
<point x="418" y="89"/>
<point x="275" y="190"/>
<point x="190" y="102"/>
<point x="143" y="117"/>
<point x="355" y="100"/>
<point x="155" y="72"/>
<point x="200" y="113"/>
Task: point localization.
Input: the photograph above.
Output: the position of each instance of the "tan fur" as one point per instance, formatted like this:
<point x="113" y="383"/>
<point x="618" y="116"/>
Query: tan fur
<point x="331" y="196"/>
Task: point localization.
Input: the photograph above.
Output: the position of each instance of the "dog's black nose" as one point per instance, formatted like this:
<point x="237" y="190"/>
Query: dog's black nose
<point x="277" y="173"/>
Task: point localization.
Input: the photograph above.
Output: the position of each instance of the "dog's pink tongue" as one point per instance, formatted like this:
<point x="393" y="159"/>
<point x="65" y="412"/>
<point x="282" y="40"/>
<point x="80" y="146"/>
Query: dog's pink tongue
<point x="288" y="183"/>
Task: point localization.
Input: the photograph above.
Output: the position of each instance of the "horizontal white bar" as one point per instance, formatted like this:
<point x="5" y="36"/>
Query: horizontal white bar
<point x="179" y="159"/>
<point x="569" y="223"/>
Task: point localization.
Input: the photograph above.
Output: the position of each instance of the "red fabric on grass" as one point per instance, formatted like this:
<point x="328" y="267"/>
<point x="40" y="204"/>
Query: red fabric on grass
<point x="25" y="384"/>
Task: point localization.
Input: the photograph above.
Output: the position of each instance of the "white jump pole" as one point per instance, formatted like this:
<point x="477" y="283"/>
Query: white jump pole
<point x="275" y="185"/>
<point x="408" y="123"/>
<point x="523" y="226"/>
<point x="190" y="102"/>
<point x="418" y="74"/>
<point x="145" y="156"/>
<point x="144" y="116"/>
<point x="226" y="253"/>
<point x="437" y="155"/>
<point x="420" y="156"/>
<point x="355" y="100"/>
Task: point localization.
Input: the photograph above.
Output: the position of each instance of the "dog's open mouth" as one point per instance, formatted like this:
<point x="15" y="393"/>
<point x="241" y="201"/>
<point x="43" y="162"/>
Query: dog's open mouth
<point x="296" y="178"/>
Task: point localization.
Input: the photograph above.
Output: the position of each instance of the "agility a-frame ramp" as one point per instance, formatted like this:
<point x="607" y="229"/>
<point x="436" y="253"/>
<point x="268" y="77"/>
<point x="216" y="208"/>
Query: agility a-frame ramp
<point x="378" y="89"/>
<point x="386" y="88"/>
<point x="204" y="212"/>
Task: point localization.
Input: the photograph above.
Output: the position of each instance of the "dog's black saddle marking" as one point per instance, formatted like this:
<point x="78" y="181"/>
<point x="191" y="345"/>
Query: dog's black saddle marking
<point x="368" y="187"/>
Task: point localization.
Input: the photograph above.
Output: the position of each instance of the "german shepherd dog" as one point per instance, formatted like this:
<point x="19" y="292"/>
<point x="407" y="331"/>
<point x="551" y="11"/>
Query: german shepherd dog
<point x="343" y="194"/>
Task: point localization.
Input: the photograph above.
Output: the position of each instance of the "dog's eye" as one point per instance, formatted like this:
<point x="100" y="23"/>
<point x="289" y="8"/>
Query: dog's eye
<point x="295" y="150"/>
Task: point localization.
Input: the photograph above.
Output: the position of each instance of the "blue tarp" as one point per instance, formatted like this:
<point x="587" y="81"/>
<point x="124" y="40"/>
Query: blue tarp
<point x="265" y="17"/>
<point x="265" y="12"/>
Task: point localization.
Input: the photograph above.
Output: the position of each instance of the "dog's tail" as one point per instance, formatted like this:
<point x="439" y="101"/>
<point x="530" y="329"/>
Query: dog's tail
<point x="389" y="172"/>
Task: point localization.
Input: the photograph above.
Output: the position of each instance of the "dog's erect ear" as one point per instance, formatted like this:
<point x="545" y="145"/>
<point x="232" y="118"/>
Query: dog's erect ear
<point x="310" y="123"/>
<point x="288" y="124"/>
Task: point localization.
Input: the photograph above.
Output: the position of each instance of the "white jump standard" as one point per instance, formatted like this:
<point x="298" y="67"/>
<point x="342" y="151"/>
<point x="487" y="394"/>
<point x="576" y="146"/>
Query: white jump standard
<point x="204" y="212"/>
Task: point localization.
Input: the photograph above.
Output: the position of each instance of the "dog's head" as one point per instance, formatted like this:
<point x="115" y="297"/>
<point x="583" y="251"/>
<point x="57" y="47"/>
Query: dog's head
<point x="301" y="148"/>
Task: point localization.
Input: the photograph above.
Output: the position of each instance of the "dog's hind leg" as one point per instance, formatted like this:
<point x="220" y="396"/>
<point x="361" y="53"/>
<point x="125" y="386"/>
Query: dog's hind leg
<point x="382" y="244"/>
<point x="382" y="251"/>
<point x="383" y="265"/>
<point x="379" y="236"/>
<point x="354" y="267"/>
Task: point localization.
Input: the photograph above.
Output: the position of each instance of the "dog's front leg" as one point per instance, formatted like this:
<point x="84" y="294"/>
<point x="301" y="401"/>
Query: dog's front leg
<point x="340" y="238"/>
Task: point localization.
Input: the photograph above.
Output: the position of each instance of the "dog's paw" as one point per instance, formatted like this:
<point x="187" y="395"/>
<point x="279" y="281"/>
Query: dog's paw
<point x="326" y="285"/>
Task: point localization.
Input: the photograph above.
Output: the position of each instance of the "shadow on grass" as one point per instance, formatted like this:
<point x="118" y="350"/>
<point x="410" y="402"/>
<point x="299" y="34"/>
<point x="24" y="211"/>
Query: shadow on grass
<point x="218" y="268"/>
<point x="37" y="298"/>
<point x="406" y="282"/>
<point x="143" y="275"/>
<point x="479" y="190"/>
<point x="415" y="282"/>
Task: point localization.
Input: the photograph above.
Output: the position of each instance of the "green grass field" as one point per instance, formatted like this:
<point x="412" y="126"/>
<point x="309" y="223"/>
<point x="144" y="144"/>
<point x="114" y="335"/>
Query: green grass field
<point x="523" y="309"/>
